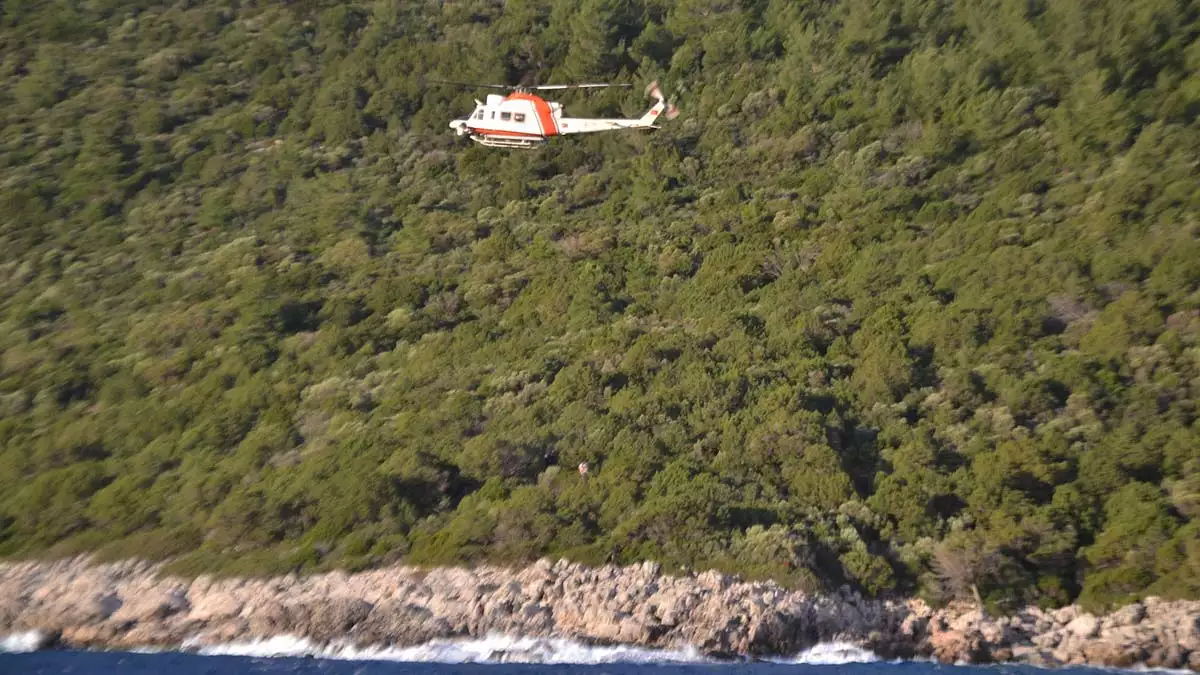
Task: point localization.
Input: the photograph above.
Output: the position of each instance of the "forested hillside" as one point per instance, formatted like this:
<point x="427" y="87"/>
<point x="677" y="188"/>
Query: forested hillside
<point x="907" y="297"/>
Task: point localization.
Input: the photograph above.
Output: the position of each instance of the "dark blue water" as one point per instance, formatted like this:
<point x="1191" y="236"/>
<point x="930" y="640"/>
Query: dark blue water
<point x="114" y="663"/>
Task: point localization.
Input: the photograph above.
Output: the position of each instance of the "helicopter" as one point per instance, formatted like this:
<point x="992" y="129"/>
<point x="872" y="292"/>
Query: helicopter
<point x="522" y="119"/>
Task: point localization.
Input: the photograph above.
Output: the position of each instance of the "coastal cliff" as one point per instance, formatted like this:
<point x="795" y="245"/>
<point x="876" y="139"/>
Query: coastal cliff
<point x="81" y="604"/>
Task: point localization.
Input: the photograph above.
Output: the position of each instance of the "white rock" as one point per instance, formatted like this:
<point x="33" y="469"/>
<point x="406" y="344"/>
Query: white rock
<point x="1084" y="626"/>
<point x="215" y="606"/>
<point x="1066" y="615"/>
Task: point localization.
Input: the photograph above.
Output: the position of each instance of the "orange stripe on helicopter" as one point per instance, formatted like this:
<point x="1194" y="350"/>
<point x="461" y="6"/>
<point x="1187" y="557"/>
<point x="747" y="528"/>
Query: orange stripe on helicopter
<point x="545" y="117"/>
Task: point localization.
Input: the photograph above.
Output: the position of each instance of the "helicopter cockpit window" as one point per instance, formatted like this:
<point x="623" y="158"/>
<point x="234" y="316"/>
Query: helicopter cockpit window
<point x="505" y="116"/>
<point x="518" y="117"/>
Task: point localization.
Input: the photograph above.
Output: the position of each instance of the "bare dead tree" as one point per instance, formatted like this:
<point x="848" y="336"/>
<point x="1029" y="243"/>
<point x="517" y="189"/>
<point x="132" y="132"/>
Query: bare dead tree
<point x="959" y="564"/>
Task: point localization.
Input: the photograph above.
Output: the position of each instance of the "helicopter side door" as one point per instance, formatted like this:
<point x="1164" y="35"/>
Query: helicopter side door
<point x="507" y="117"/>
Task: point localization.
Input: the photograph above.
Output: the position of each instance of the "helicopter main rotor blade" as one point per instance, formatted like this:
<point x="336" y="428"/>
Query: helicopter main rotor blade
<point x="518" y="87"/>
<point x="471" y="84"/>
<point x="577" y="86"/>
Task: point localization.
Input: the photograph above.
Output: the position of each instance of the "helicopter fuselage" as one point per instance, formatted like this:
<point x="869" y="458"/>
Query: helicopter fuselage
<point x="523" y="120"/>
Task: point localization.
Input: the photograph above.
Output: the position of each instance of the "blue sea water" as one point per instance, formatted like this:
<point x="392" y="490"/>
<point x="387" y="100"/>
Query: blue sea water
<point x="116" y="663"/>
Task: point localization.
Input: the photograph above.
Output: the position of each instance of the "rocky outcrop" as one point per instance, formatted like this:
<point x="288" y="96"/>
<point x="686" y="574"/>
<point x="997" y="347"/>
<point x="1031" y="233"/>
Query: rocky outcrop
<point x="1152" y="633"/>
<point x="132" y="604"/>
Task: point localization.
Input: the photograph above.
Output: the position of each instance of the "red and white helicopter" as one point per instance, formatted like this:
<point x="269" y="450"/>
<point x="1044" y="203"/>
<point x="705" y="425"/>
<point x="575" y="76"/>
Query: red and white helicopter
<point x="523" y="119"/>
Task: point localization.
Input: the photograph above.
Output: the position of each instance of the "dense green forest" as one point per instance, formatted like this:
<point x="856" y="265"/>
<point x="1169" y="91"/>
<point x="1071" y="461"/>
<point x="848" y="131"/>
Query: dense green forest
<point x="907" y="297"/>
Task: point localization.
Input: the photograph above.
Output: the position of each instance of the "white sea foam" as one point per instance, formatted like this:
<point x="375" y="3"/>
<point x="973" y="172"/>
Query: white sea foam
<point x="835" y="653"/>
<point x="830" y="654"/>
<point x="506" y="649"/>
<point x="19" y="643"/>
<point x="491" y="649"/>
<point x="1143" y="668"/>
<point x="1139" y="668"/>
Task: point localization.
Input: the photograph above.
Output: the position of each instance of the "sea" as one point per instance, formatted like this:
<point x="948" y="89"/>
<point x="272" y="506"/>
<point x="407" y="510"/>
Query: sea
<point x="494" y="655"/>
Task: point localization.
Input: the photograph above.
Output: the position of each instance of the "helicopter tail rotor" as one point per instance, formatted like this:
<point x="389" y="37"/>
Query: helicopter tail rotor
<point x="670" y="111"/>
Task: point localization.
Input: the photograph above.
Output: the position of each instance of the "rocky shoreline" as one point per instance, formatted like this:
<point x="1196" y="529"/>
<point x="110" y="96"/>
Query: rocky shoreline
<point x="77" y="604"/>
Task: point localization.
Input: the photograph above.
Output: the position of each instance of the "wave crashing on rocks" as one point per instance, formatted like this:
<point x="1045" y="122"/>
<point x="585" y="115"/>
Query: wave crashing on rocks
<point x="490" y="649"/>
<point x="23" y="642"/>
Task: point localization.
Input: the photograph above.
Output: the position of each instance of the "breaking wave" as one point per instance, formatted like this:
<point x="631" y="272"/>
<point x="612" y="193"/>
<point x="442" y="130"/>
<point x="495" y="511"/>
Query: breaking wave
<point x="491" y="649"/>
<point x="20" y="643"/>
<point x="831" y="654"/>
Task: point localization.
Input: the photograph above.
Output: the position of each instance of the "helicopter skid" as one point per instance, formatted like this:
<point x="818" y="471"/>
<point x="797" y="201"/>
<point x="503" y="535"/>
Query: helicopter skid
<point x="508" y="141"/>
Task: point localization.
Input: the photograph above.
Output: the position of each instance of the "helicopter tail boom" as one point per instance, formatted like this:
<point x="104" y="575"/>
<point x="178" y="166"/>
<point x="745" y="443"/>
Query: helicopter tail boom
<point x="661" y="108"/>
